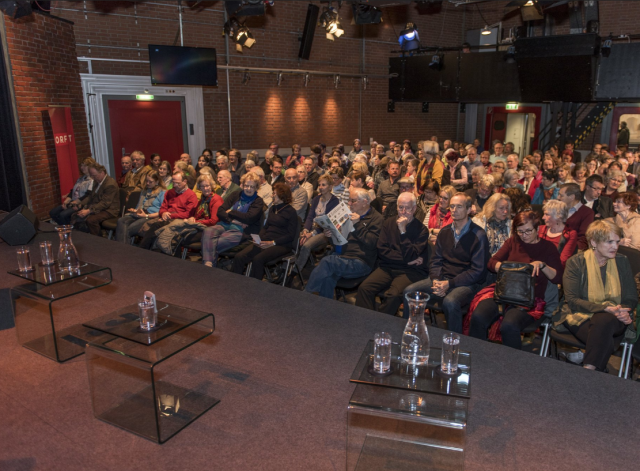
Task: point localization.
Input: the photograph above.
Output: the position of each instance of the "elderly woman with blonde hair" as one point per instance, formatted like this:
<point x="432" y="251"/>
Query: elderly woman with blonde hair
<point x="555" y="216"/>
<point x="495" y="219"/>
<point x="600" y="296"/>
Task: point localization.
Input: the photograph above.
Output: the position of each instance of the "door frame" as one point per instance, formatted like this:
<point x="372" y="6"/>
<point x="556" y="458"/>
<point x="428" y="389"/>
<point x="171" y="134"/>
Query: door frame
<point x="105" y="104"/>
<point x="522" y="108"/>
<point x="608" y="134"/>
<point x="96" y="86"/>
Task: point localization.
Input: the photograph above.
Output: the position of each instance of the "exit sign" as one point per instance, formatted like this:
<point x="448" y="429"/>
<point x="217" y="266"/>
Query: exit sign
<point x="512" y="106"/>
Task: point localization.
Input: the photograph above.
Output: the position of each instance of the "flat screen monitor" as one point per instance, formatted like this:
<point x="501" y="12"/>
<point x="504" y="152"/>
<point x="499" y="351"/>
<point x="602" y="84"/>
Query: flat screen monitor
<point x="174" y="65"/>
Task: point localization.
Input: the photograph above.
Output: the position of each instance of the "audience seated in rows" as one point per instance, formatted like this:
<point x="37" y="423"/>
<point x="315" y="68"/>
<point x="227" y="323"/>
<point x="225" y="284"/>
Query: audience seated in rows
<point x="146" y="211"/>
<point x="62" y="214"/>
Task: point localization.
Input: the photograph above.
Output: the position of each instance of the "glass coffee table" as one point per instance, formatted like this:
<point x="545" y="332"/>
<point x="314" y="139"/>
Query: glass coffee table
<point x="412" y="418"/>
<point x="39" y="321"/>
<point x="147" y="383"/>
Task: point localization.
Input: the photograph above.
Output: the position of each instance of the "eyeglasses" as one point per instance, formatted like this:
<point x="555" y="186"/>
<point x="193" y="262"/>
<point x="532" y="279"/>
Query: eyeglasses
<point x="595" y="188"/>
<point x="525" y="232"/>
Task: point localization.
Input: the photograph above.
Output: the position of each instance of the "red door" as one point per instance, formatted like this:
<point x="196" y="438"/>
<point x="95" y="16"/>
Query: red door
<point x="147" y="126"/>
<point x="496" y="123"/>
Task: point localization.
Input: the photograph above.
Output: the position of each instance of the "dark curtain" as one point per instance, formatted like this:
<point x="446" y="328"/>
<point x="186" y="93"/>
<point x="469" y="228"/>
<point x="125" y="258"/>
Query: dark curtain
<point x="12" y="192"/>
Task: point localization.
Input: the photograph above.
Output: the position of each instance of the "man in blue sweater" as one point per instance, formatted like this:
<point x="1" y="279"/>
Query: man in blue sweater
<point x="458" y="265"/>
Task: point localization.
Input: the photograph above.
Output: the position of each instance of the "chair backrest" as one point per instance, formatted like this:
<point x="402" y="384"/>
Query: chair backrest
<point x="296" y="243"/>
<point x="133" y="200"/>
<point x="634" y="258"/>
<point x="123" y="200"/>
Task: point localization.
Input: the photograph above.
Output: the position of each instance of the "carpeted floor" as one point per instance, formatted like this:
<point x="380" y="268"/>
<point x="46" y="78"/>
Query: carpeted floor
<point x="280" y="361"/>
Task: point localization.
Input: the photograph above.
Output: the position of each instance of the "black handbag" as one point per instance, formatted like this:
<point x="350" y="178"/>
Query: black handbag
<point x="515" y="285"/>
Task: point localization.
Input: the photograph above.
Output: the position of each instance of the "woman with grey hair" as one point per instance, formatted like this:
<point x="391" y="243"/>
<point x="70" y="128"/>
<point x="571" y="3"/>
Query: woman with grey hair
<point x="495" y="219"/>
<point x="511" y="178"/>
<point x="529" y="182"/>
<point x="555" y="216"/>
<point x="613" y="180"/>
<point x="476" y="175"/>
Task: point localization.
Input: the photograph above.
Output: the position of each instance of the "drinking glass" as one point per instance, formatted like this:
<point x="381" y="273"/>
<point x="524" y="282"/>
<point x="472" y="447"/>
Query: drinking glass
<point x="382" y="352"/>
<point x="46" y="253"/>
<point x="24" y="259"/>
<point x="147" y="314"/>
<point x="450" y="353"/>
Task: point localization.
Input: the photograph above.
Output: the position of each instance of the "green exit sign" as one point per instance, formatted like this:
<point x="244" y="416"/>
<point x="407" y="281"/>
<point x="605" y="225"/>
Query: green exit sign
<point x="512" y="106"/>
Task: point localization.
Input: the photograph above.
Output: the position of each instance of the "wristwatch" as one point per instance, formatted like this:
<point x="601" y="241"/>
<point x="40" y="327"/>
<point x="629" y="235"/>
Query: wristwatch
<point x="544" y="265"/>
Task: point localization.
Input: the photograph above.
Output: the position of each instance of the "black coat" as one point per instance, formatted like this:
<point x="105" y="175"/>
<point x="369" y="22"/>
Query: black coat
<point x="281" y="227"/>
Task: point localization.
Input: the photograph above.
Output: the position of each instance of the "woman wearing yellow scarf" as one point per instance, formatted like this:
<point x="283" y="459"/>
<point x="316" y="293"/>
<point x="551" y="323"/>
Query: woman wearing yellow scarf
<point x="600" y="295"/>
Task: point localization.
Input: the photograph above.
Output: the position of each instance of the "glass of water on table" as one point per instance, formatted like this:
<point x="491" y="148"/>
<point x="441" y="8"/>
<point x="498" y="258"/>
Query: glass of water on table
<point x="382" y="352"/>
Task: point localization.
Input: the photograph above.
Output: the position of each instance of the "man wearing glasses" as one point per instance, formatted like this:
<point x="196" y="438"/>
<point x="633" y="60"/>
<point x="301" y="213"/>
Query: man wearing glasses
<point x="458" y="266"/>
<point x="579" y="215"/>
<point x="355" y="258"/>
<point x="601" y="205"/>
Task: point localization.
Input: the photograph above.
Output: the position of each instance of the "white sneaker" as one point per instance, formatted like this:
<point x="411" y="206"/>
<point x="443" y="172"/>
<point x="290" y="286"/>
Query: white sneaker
<point x="575" y="357"/>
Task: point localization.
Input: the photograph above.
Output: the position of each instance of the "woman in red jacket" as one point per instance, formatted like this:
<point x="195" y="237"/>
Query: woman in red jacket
<point x="440" y="214"/>
<point x="524" y="246"/>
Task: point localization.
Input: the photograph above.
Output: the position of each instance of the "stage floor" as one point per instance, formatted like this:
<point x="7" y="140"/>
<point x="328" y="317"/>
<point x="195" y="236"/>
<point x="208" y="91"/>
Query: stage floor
<point x="280" y="361"/>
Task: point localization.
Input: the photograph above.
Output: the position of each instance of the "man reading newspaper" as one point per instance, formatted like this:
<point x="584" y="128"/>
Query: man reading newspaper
<point x="356" y="257"/>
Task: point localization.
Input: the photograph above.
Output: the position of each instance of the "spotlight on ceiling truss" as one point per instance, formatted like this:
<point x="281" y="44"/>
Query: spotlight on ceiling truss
<point x="239" y="34"/>
<point x="330" y="21"/>
<point x="409" y="39"/>
<point x="245" y="7"/>
<point x="245" y="78"/>
<point x="364" y="14"/>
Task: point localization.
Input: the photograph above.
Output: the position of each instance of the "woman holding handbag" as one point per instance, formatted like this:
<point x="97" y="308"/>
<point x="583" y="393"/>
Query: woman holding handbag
<point x="526" y="247"/>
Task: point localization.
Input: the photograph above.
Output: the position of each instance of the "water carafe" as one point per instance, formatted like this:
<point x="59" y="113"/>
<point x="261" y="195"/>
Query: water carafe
<point x="415" y="339"/>
<point x="67" y="254"/>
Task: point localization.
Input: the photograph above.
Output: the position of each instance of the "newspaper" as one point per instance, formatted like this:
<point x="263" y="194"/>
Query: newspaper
<point x="338" y="221"/>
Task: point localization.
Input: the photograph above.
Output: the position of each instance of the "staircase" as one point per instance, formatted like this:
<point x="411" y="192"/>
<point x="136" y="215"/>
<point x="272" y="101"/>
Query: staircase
<point x="590" y="122"/>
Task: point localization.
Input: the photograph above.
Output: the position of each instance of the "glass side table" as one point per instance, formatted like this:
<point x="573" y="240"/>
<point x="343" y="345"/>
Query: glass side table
<point x="146" y="383"/>
<point x="413" y="418"/>
<point x="38" y="325"/>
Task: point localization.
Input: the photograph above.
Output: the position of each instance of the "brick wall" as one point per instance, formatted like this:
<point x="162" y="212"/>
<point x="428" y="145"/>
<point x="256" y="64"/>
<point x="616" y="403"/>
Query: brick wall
<point x="261" y="111"/>
<point x="45" y="72"/>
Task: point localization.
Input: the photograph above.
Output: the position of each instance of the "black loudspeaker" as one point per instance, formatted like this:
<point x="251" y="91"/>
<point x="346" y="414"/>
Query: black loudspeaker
<point x="309" y="31"/>
<point x="557" y="68"/>
<point x="19" y="226"/>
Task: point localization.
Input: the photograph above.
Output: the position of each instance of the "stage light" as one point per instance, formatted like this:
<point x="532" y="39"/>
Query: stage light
<point x="245" y="78"/>
<point x="510" y="56"/>
<point x="605" y="50"/>
<point x="306" y="79"/>
<point x="409" y="39"/>
<point x="16" y="9"/>
<point x="330" y="21"/>
<point x="336" y="80"/>
<point x="365" y="82"/>
<point x="485" y="31"/>
<point x="436" y="62"/>
<point x="246" y="7"/>
<point x="391" y="107"/>
<point x="366" y="14"/>
<point x="279" y="78"/>
<point x="239" y="34"/>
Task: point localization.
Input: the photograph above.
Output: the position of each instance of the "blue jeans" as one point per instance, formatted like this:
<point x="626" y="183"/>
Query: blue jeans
<point x="325" y="276"/>
<point x="61" y="216"/>
<point x="454" y="304"/>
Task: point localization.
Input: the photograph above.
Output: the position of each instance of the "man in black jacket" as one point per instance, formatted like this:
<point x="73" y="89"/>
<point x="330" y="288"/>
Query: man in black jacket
<point x="403" y="258"/>
<point x="458" y="266"/>
<point x="592" y="197"/>
<point x="357" y="257"/>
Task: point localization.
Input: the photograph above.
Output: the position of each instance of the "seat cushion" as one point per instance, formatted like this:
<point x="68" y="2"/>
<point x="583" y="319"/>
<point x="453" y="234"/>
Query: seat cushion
<point x="110" y="224"/>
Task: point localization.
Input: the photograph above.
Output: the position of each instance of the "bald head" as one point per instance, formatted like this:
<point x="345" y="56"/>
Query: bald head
<point x="291" y="177"/>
